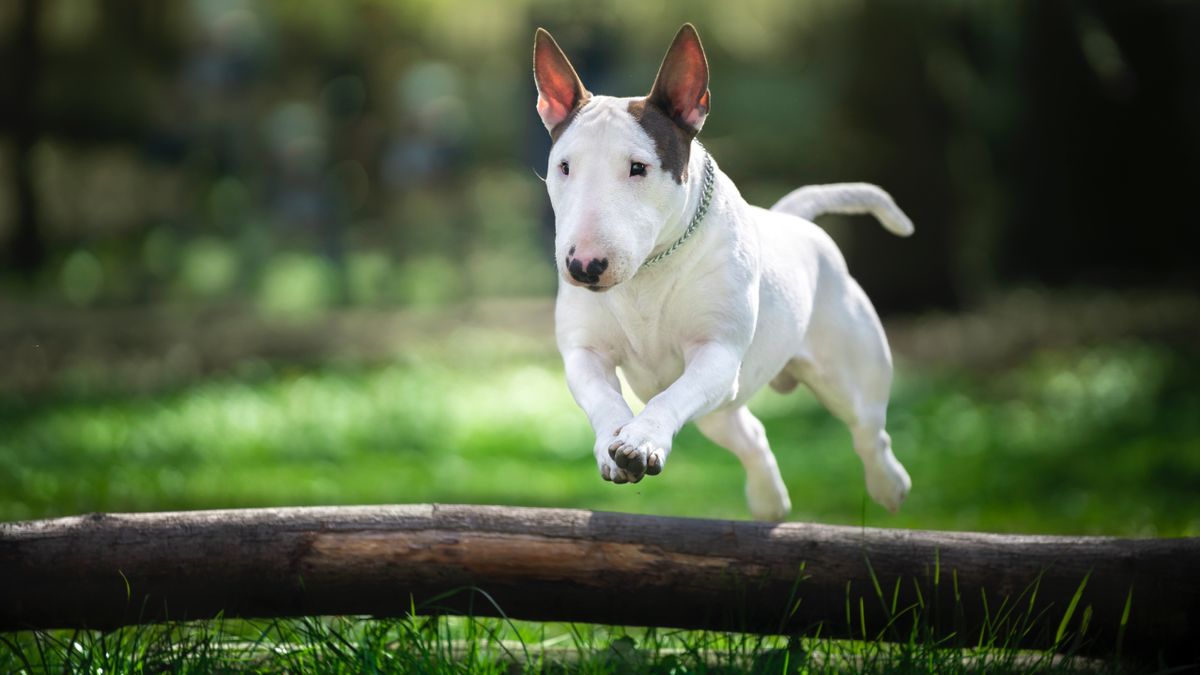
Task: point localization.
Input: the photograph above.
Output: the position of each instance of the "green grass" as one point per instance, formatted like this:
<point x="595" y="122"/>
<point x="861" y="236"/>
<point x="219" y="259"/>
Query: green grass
<point x="1100" y="440"/>
<point x="482" y="645"/>
<point x="1103" y="441"/>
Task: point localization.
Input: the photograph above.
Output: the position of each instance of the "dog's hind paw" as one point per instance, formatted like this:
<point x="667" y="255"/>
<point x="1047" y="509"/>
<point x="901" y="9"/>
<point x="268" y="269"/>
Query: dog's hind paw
<point x="767" y="497"/>
<point x="888" y="483"/>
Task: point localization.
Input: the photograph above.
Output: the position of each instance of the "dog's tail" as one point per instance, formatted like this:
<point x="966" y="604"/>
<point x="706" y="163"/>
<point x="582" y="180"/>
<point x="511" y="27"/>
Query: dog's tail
<point x="811" y="201"/>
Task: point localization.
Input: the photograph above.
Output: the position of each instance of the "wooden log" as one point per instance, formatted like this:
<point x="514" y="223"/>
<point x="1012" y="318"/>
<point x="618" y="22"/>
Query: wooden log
<point x="108" y="570"/>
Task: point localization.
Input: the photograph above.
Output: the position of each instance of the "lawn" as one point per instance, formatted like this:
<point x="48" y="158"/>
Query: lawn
<point x="1100" y="438"/>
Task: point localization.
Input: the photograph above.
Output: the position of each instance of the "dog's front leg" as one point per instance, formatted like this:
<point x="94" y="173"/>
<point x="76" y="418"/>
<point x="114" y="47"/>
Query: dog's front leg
<point x="709" y="379"/>
<point x="592" y="378"/>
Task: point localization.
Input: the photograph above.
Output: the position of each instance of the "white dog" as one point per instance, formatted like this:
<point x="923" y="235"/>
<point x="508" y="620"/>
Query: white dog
<point x="699" y="297"/>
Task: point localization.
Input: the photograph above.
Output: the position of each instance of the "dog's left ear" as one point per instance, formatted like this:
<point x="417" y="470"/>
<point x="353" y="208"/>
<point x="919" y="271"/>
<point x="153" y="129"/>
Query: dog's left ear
<point x="681" y="88"/>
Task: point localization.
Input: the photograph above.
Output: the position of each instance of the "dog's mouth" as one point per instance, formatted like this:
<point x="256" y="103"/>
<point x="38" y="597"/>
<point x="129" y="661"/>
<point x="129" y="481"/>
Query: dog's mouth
<point x="598" y="289"/>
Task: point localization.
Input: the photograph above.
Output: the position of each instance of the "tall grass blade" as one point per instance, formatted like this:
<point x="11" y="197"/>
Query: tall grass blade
<point x="1124" y="621"/>
<point x="1062" y="625"/>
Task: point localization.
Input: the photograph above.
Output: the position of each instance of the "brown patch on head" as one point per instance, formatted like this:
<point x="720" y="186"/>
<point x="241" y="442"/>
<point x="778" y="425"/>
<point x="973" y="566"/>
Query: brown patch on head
<point x="561" y="128"/>
<point x="673" y="142"/>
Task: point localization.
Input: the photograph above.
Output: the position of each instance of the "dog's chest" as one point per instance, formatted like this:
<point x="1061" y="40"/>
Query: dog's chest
<point x="649" y="332"/>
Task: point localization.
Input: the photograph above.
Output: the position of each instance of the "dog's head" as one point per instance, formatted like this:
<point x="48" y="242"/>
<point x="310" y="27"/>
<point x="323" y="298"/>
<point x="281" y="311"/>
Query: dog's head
<point x="617" y="173"/>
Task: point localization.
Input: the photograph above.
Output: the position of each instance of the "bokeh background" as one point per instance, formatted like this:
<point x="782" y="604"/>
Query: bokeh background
<point x="258" y="253"/>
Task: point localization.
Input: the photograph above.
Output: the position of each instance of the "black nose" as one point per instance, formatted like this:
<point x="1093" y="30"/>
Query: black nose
<point x="587" y="275"/>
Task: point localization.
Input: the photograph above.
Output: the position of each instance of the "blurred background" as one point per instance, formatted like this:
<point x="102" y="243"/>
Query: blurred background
<point x="297" y="252"/>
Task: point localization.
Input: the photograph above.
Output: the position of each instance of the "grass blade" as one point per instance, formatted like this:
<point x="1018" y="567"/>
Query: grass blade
<point x="1062" y="625"/>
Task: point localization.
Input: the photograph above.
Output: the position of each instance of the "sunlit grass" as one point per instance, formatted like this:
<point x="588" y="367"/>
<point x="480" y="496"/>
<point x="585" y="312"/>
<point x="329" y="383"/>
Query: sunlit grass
<point x="1094" y="441"/>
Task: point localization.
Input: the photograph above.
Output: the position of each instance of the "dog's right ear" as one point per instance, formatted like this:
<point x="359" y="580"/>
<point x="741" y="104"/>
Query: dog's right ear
<point x="559" y="89"/>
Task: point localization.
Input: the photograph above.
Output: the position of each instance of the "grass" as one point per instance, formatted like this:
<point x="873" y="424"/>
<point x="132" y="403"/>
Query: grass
<point x="1101" y="439"/>
<point x="1096" y="441"/>
<point x="441" y="644"/>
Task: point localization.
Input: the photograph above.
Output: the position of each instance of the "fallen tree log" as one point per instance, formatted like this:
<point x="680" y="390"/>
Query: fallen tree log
<point x="108" y="570"/>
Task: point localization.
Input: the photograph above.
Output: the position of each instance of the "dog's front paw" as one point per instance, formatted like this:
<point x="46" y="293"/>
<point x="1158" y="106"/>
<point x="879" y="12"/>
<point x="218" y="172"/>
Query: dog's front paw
<point x="609" y="470"/>
<point x="639" y="451"/>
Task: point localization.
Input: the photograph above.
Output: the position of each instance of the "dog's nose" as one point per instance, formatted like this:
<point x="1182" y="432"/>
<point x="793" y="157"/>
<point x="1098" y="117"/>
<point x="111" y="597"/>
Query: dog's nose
<point x="586" y="269"/>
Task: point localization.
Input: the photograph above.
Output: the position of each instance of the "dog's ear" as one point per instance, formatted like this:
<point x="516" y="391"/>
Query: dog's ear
<point x="681" y="88"/>
<point x="559" y="89"/>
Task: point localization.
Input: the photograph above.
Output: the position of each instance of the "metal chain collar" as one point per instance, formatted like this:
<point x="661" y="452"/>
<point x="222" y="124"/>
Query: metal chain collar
<point x="701" y="210"/>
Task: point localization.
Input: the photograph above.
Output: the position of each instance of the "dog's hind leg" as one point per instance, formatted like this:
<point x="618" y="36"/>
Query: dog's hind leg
<point x="850" y="372"/>
<point x="865" y="413"/>
<point x="740" y="432"/>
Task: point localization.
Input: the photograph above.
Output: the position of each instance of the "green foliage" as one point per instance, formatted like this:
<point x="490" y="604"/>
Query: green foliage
<point x="297" y="285"/>
<point x="208" y="269"/>
<point x="82" y="277"/>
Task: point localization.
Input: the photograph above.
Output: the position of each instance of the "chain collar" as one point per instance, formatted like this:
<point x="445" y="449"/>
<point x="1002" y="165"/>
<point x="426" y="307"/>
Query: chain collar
<point x="701" y="210"/>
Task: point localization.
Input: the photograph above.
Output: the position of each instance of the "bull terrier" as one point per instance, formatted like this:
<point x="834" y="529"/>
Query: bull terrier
<point x="698" y="297"/>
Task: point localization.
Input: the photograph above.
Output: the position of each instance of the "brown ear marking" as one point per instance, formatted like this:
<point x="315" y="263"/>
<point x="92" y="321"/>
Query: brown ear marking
<point x="560" y="91"/>
<point x="681" y="86"/>
<point x="672" y="142"/>
<point x="559" y="129"/>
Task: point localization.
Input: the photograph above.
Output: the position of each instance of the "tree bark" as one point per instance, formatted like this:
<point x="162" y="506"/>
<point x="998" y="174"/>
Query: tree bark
<point x="102" y="571"/>
<point x="27" y="249"/>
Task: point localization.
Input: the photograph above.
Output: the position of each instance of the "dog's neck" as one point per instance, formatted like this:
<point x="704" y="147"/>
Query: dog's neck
<point x="679" y="222"/>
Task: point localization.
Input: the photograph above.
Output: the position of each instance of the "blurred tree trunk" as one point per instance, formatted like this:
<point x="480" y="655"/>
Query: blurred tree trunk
<point x="27" y="250"/>
<point x="887" y="96"/>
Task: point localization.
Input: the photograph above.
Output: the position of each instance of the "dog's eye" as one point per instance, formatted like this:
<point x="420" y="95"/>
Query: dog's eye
<point x="637" y="169"/>
<point x="564" y="168"/>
